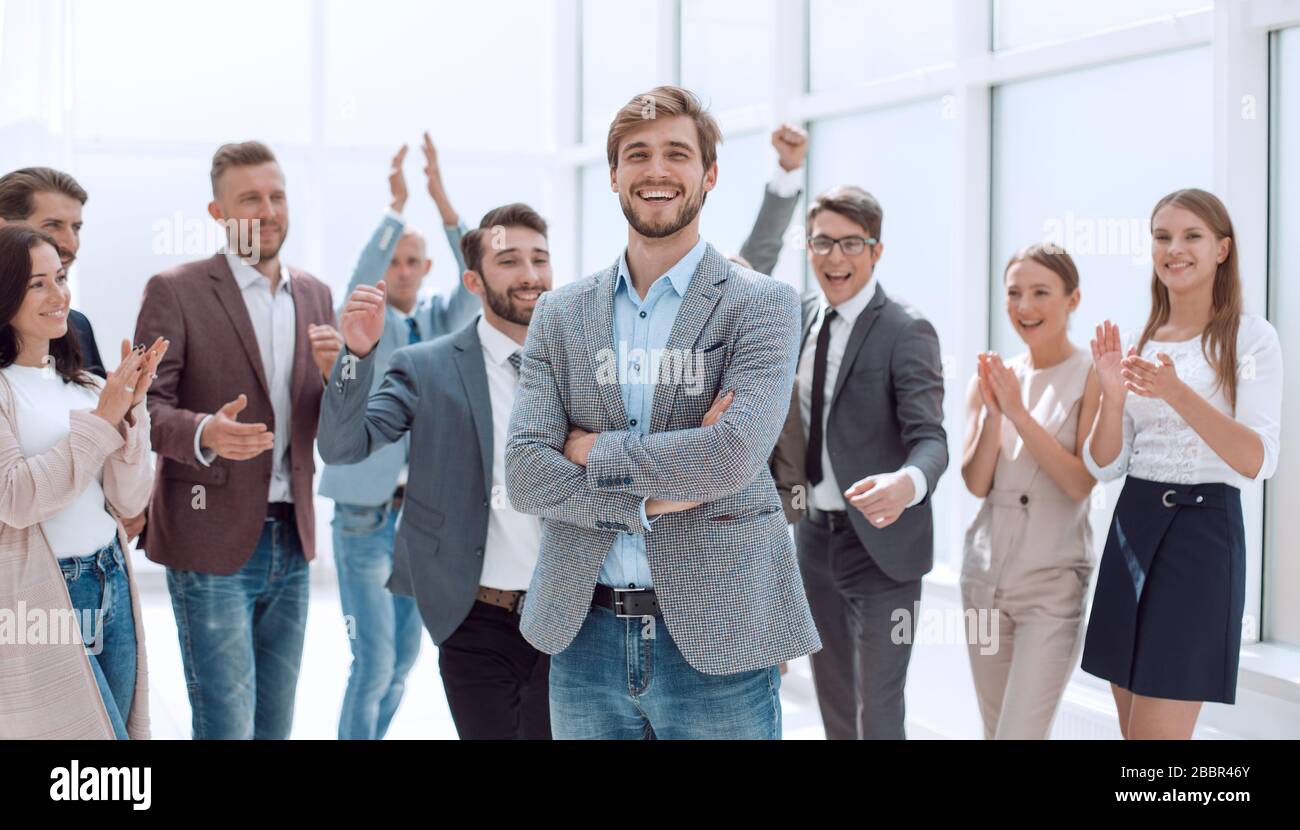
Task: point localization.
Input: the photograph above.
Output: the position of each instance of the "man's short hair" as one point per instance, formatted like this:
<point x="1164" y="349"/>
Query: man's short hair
<point x="513" y="215"/>
<point x="852" y="203"/>
<point x="241" y="154"/>
<point x="666" y="102"/>
<point x="18" y="190"/>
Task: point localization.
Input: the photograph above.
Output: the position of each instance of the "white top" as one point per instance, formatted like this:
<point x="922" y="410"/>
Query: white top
<point x="42" y="406"/>
<point x="513" y="538"/>
<point x="1160" y="446"/>
<point x="826" y="495"/>
<point x="276" y="327"/>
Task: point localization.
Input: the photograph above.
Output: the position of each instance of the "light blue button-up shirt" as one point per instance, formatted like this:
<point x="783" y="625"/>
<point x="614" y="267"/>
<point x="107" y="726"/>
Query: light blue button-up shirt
<point x="641" y="327"/>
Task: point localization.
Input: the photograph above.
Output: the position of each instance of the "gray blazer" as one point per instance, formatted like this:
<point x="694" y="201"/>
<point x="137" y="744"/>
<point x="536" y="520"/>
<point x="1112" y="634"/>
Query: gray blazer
<point x="886" y="412"/>
<point x="371" y="482"/>
<point x="442" y="530"/>
<point x="724" y="572"/>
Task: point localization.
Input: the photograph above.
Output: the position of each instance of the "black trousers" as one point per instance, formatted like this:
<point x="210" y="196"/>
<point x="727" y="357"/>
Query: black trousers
<point x="860" y="671"/>
<point x="496" y="682"/>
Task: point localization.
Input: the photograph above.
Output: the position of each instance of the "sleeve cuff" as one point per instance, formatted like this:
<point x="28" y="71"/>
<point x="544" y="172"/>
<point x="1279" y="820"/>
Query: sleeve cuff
<point x="646" y="521"/>
<point x="205" y="457"/>
<point x="918" y="482"/>
<point x="395" y="216"/>
<point x="1109" y="472"/>
<point x="786" y="183"/>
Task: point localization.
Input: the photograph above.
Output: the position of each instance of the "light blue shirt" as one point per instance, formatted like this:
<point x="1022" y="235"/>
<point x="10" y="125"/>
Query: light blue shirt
<point x="640" y="328"/>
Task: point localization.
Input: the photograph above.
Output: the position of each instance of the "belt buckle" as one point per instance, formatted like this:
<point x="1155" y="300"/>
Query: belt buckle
<point x="1164" y="499"/>
<point x="618" y="603"/>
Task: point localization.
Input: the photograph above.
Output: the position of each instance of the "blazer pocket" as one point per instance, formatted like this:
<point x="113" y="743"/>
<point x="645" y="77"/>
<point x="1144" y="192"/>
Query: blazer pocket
<point x="422" y="516"/>
<point x="715" y="346"/>
<point x="744" y="516"/>
<point x="194" y="473"/>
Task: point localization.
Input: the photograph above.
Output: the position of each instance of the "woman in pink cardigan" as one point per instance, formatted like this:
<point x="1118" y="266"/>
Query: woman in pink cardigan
<point x="74" y="458"/>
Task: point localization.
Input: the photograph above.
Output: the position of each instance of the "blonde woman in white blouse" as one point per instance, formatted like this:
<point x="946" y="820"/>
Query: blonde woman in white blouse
<point x="1191" y="412"/>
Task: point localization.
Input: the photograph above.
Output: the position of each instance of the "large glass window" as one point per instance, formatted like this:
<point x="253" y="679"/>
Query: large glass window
<point x="242" y="72"/>
<point x="619" y="58"/>
<point x="855" y="41"/>
<point x="1019" y="23"/>
<point x="1282" y="564"/>
<point x="726" y="51"/>
<point x="479" y="75"/>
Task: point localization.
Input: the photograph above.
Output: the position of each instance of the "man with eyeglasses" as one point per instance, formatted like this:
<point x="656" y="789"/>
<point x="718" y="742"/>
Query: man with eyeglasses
<point x="862" y="449"/>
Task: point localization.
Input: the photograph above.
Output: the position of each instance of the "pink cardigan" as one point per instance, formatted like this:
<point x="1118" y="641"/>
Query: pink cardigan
<point x="49" y="691"/>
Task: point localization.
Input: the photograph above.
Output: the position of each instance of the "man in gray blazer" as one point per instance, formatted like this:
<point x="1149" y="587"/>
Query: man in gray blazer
<point x="461" y="550"/>
<point x="862" y="449"/>
<point x="667" y="589"/>
<point x="384" y="628"/>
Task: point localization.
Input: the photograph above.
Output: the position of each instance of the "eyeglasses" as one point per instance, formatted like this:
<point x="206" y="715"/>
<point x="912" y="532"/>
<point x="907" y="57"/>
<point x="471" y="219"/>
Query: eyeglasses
<point x="850" y="245"/>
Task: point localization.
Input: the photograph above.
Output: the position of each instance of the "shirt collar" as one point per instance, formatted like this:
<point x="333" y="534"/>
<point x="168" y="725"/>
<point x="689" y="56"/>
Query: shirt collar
<point x="679" y="275"/>
<point x="246" y="275"/>
<point x="849" y="310"/>
<point x="496" y="343"/>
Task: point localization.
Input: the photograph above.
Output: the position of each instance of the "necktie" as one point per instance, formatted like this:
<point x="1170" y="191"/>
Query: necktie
<point x="813" y="460"/>
<point x="516" y="359"/>
<point x="413" y="331"/>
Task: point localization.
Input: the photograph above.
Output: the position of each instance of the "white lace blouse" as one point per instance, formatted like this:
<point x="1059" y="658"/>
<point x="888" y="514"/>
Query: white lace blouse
<point x="1158" y="443"/>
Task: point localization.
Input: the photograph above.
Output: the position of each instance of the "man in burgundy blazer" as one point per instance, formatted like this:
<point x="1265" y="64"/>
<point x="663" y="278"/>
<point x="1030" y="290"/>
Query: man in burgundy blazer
<point x="234" y="411"/>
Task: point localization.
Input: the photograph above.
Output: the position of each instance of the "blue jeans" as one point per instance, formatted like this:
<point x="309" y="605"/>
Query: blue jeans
<point x="624" y="679"/>
<point x="101" y="594"/>
<point x="384" y="629"/>
<point x="241" y="639"/>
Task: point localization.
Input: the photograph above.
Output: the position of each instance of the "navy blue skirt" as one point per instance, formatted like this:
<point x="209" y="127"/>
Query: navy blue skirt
<point x="1171" y="591"/>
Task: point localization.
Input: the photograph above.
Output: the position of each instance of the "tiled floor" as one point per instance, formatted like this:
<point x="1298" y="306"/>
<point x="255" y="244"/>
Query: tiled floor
<point x="424" y="713"/>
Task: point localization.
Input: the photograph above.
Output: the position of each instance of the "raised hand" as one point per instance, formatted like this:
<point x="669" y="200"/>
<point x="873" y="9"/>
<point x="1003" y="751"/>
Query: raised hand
<point x="432" y="173"/>
<point x="326" y="343"/>
<point x="987" y="396"/>
<point x="791" y="145"/>
<point x="118" y="394"/>
<point x="148" y="369"/>
<point x="433" y="179"/>
<point x="1108" y="357"/>
<point x="229" y="438"/>
<point x="1152" y="380"/>
<point x="397" y="181"/>
<point x="362" y="321"/>
<point x="1006" y="388"/>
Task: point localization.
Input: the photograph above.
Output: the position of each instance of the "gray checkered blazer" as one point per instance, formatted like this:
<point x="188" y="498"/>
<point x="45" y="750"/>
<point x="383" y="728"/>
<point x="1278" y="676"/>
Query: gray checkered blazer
<point x="725" y="572"/>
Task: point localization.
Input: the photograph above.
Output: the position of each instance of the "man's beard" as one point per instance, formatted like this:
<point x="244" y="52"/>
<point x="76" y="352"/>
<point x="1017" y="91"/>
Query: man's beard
<point x="504" y="306"/>
<point x="685" y="215"/>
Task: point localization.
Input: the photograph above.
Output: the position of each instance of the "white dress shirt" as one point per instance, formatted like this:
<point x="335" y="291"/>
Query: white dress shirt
<point x="1160" y="446"/>
<point x="275" y="327"/>
<point x="826" y="494"/>
<point x="513" y="538"/>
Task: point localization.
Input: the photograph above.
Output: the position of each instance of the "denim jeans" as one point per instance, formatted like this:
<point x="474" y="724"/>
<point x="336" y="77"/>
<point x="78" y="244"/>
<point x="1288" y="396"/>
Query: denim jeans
<point x="101" y="594"/>
<point x="624" y="679"/>
<point x="241" y="639"/>
<point x="384" y="629"/>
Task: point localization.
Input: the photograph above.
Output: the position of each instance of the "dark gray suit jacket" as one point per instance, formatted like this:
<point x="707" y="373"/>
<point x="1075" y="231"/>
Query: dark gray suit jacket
<point x="886" y="412"/>
<point x="438" y="392"/>
<point x="763" y="246"/>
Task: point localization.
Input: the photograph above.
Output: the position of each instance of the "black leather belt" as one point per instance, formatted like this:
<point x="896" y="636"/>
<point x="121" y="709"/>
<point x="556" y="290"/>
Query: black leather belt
<point x="832" y="520"/>
<point x="281" y="511"/>
<point x="627" y="602"/>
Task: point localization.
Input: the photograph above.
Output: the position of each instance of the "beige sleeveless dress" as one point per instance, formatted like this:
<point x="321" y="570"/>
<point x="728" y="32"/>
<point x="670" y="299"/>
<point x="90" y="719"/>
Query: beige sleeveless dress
<point x="1028" y="560"/>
